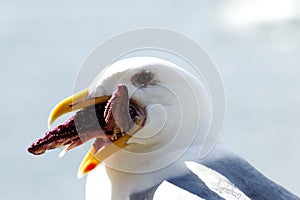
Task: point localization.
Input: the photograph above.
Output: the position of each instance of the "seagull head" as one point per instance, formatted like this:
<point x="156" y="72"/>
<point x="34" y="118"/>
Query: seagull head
<point x="142" y="112"/>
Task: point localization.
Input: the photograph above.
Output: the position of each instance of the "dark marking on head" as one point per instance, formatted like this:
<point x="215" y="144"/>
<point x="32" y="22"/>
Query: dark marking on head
<point x="143" y="78"/>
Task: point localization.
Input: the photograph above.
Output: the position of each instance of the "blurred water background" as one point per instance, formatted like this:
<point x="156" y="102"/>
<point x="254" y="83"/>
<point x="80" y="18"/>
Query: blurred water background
<point x="255" y="45"/>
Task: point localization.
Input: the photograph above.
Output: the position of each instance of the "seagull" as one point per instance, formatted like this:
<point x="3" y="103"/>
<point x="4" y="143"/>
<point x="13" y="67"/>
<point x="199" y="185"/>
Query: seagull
<point x="149" y="119"/>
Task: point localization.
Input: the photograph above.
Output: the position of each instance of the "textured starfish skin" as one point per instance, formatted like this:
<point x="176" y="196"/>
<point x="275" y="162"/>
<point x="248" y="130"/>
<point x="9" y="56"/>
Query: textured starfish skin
<point x="106" y="121"/>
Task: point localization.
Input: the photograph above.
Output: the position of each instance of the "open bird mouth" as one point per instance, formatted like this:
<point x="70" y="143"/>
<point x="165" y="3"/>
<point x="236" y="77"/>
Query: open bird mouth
<point x="111" y="120"/>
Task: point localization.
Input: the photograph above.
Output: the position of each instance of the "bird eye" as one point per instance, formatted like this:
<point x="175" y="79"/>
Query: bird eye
<point x="142" y="78"/>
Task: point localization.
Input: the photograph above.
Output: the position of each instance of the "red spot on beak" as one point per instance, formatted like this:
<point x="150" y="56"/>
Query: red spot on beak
<point x="90" y="167"/>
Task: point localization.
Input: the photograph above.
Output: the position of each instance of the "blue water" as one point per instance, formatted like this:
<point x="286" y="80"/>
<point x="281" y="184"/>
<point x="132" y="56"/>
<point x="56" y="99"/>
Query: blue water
<point x="42" y="45"/>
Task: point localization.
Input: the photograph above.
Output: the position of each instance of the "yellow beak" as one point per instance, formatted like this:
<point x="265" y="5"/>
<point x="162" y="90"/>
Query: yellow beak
<point x="93" y="157"/>
<point x="72" y="103"/>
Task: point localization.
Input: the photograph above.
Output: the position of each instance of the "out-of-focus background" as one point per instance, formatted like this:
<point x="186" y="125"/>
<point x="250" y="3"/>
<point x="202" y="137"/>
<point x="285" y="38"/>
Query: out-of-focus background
<point x="254" y="43"/>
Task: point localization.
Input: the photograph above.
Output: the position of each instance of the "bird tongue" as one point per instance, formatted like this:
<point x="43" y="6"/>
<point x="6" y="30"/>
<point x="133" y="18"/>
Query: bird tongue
<point x="106" y="122"/>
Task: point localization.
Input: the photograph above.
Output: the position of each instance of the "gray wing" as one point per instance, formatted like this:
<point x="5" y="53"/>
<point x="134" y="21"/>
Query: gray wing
<point x="226" y="178"/>
<point x="190" y="183"/>
<point x="249" y="180"/>
<point x="201" y="183"/>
